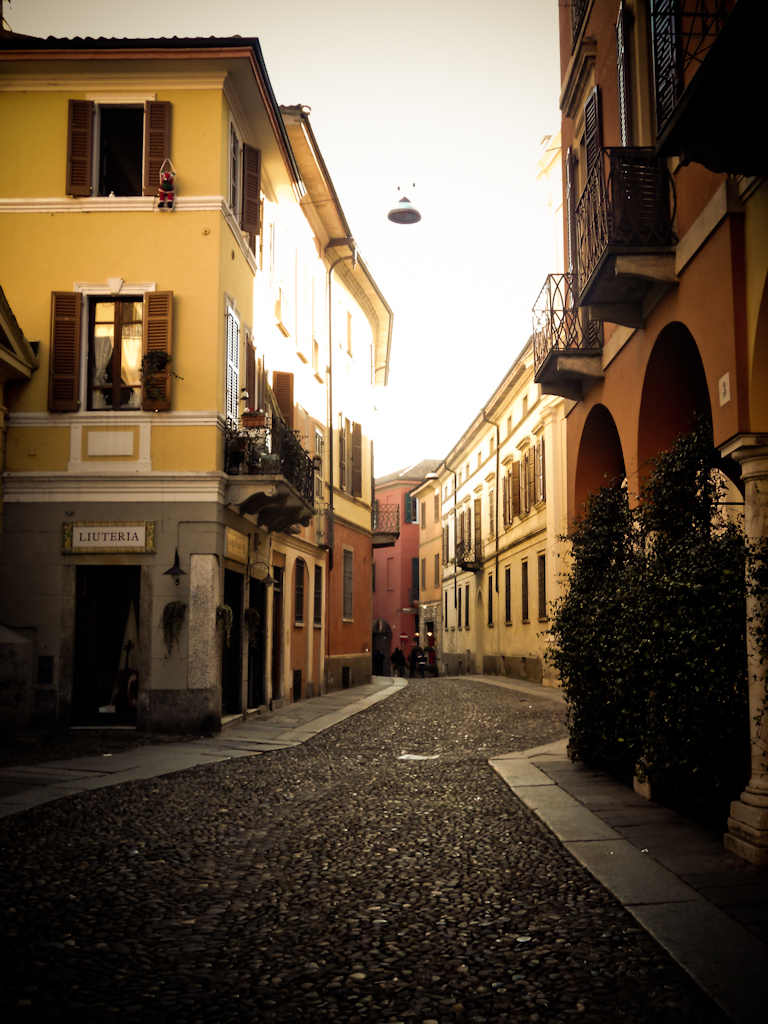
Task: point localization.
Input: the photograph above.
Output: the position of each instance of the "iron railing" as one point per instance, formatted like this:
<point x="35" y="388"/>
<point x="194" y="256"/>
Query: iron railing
<point x="631" y="207"/>
<point x="269" y="451"/>
<point x="385" y="518"/>
<point x="578" y="10"/>
<point x="558" y="323"/>
<point x="468" y="554"/>
<point x="683" y="32"/>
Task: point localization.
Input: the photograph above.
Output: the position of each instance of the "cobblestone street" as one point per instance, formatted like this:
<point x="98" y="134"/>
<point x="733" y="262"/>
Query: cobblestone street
<point x="338" y="881"/>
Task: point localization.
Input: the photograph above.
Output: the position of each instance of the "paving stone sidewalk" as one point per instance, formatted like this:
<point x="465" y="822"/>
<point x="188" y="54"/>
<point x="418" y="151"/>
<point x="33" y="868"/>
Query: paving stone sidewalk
<point x="371" y="872"/>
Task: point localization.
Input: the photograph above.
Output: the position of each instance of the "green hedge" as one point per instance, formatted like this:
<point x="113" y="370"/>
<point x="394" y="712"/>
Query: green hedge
<point x="649" y="638"/>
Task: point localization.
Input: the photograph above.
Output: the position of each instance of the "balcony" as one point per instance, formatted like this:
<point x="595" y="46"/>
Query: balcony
<point x="270" y="475"/>
<point x="469" y="555"/>
<point x="567" y="346"/>
<point x="709" y="80"/>
<point x="625" y="241"/>
<point x="385" y="524"/>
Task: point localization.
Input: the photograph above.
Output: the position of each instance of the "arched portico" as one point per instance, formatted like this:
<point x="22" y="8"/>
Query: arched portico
<point x="600" y="459"/>
<point x="674" y="393"/>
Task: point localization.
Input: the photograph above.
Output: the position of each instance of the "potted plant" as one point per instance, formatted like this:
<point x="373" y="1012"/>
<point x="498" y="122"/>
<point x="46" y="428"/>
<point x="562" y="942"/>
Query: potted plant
<point x="156" y="364"/>
<point x="254" y="419"/>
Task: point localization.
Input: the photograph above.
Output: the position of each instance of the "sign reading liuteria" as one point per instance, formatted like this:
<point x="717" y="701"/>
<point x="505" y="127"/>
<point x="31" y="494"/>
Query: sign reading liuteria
<point x="109" y="538"/>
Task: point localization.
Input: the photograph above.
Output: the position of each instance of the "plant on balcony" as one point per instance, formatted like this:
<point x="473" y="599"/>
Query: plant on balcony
<point x="224" y="621"/>
<point x="170" y="622"/>
<point x="152" y="364"/>
<point x="253" y="626"/>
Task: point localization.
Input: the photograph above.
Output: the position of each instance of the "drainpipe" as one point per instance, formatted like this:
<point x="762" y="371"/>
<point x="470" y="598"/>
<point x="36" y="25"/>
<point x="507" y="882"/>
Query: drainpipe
<point x="496" y="517"/>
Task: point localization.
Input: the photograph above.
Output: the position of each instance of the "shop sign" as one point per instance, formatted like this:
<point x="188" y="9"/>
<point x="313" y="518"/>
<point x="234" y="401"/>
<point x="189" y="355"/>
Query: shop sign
<point x="108" y="538"/>
<point x="236" y="546"/>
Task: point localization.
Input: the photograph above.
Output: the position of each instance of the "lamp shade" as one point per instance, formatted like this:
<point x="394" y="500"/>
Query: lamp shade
<point x="404" y="213"/>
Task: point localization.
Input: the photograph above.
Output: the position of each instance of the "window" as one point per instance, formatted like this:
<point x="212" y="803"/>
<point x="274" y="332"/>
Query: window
<point x="437" y="570"/>
<point x="490" y="598"/>
<point x="446" y="609"/>
<point x="121" y="332"/>
<point x="491" y="512"/>
<point x="437" y="506"/>
<point x="317" y="614"/>
<point x="622" y="61"/>
<point x="423" y="518"/>
<point x="466" y="475"/>
<point x="298" y="602"/>
<point x="542" y="565"/>
<point x="507" y="594"/>
<point x="347" y="606"/>
<point x="423" y="574"/>
<point x="539" y="471"/>
<point x="411" y="509"/>
<point x="233" y="368"/>
<point x="414" y="579"/>
<point x="116" y="148"/>
<point x="479" y="459"/>
<point x="318" y="442"/>
<point x="466" y="606"/>
<point x="245" y="185"/>
<point x="525" y="406"/>
<point x="524" y="591"/>
<point x="458" y="616"/>
<point x="509" y="425"/>
<point x="114" y="354"/>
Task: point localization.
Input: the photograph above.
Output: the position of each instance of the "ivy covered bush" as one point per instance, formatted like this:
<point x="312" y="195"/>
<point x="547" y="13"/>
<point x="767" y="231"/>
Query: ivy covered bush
<point x="649" y="638"/>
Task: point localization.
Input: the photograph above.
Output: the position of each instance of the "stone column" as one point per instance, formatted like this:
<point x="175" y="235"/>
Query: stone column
<point x="747" y="834"/>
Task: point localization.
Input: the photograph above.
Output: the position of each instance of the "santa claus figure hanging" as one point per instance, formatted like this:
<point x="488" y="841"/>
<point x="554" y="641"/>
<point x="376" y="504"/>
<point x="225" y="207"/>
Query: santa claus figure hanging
<point x="166" y="193"/>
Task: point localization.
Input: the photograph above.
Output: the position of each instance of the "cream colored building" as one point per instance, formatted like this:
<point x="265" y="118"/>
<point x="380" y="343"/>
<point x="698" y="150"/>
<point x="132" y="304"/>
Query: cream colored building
<point x="502" y="490"/>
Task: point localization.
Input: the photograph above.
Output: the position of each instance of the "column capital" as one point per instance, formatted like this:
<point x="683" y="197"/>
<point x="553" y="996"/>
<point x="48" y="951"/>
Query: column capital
<point x="745" y="447"/>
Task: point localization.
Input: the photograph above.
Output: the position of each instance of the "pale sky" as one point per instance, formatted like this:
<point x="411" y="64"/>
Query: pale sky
<point x="454" y="95"/>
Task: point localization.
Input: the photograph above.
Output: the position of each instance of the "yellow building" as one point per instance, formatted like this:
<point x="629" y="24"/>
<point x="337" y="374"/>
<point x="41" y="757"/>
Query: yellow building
<point x="165" y="552"/>
<point x="503" y="513"/>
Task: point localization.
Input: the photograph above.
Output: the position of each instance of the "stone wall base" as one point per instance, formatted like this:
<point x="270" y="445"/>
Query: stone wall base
<point x="184" y="712"/>
<point x="747" y="834"/>
<point x="346" y="670"/>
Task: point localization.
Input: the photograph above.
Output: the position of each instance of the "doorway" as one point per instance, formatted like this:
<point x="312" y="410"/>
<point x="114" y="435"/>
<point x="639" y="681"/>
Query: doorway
<point x="106" y="681"/>
<point x="277" y="632"/>
<point x="231" y="655"/>
<point x="257" y="617"/>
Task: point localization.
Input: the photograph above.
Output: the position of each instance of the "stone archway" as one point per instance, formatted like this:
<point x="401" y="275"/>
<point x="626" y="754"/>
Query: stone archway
<point x="600" y="460"/>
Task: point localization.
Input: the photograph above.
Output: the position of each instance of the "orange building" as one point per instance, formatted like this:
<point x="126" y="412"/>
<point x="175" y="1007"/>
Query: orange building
<point x="663" y="311"/>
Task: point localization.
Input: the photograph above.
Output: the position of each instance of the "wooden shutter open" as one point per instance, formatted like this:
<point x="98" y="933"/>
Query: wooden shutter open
<point x="347" y="454"/>
<point x="570" y="211"/>
<point x="478" y="529"/>
<point x="531" y="495"/>
<point x="158" y="337"/>
<point x="79" y="147"/>
<point x="250" y="375"/>
<point x="157" y="142"/>
<point x="542" y="470"/>
<point x="516" y="489"/>
<point x="592" y="128"/>
<point x="536" y="495"/>
<point x="622" y="62"/>
<point x="64" y="372"/>
<point x="282" y="386"/>
<point x="357" y="460"/>
<point x="251" y="219"/>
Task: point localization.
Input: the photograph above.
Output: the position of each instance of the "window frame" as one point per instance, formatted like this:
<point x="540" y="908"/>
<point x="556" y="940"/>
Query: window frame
<point x="299" y="589"/>
<point x="347" y="585"/>
<point x="317" y="606"/>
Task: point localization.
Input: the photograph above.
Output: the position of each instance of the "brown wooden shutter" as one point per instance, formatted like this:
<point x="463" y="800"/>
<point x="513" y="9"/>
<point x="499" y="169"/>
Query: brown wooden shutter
<point x="516" y="489"/>
<point x="468" y="530"/>
<point x="592" y="128"/>
<point x="64" y="372"/>
<point x="250" y="375"/>
<point x="357" y="460"/>
<point x="542" y="471"/>
<point x="536" y="495"/>
<point x="530" y="497"/>
<point x="79" y="147"/>
<point x="158" y="337"/>
<point x="348" y="455"/>
<point x="251" y="220"/>
<point x="478" y="529"/>
<point x="570" y="212"/>
<point x="622" y="62"/>
<point x="504" y="502"/>
<point x="157" y="142"/>
<point x="282" y="386"/>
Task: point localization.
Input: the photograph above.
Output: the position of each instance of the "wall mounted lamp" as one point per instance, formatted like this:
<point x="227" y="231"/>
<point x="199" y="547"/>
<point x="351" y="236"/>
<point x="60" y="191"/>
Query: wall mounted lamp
<point x="176" y="572"/>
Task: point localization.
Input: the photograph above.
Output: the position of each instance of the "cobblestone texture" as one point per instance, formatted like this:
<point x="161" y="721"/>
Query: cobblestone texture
<point x="331" y="882"/>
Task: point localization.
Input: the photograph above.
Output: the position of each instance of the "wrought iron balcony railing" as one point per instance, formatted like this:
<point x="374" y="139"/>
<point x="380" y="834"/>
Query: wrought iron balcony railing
<point x="469" y="554"/>
<point x="683" y="32"/>
<point x="558" y="323"/>
<point x="630" y="208"/>
<point x="578" y="10"/>
<point x="385" y="518"/>
<point x="271" y="450"/>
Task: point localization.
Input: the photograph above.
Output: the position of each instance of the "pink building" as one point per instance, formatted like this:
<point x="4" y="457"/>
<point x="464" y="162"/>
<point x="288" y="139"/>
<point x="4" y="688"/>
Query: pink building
<point x="396" y="568"/>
